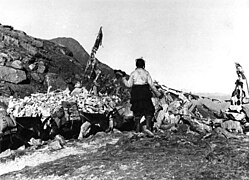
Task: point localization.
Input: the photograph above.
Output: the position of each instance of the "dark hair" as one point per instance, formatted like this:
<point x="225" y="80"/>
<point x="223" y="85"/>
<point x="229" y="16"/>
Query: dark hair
<point x="140" y="63"/>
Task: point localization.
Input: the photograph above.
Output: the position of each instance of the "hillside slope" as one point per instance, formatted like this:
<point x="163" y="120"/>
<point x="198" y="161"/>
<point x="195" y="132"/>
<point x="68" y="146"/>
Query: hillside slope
<point x="29" y="64"/>
<point x="80" y="53"/>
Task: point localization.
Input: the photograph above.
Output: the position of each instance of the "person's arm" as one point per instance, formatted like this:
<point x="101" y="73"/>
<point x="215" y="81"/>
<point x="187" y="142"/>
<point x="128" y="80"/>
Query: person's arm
<point x="128" y="83"/>
<point x="153" y="88"/>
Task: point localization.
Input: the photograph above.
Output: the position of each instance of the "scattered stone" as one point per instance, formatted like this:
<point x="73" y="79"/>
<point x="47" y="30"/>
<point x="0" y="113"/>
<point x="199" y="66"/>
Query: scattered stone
<point x="6" y="153"/>
<point x="32" y="67"/>
<point x="61" y="139"/>
<point x="2" y="61"/>
<point x="116" y="131"/>
<point x="55" y="145"/>
<point x="35" y="142"/>
<point x="17" y="64"/>
<point x="12" y="75"/>
<point x="100" y="134"/>
<point x="41" y="67"/>
<point x="21" y="148"/>
<point x="37" y="43"/>
<point x="37" y="77"/>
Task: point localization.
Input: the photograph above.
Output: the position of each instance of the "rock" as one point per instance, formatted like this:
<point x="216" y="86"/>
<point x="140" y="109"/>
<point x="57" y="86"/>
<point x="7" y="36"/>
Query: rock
<point x="245" y="108"/>
<point x="217" y="122"/>
<point x="17" y="64"/>
<point x="41" y="67"/>
<point x="4" y="56"/>
<point x="15" y="56"/>
<point x="232" y="126"/>
<point x="55" y="145"/>
<point x="55" y="81"/>
<point x="84" y="130"/>
<point x="225" y="133"/>
<point x="32" y="67"/>
<point x="6" y="153"/>
<point x="31" y="50"/>
<point x="35" y="142"/>
<point x="100" y="134"/>
<point x="61" y="139"/>
<point x="174" y="107"/>
<point x="37" y="43"/>
<point x="27" y="59"/>
<point x="116" y="131"/>
<point x="8" y="27"/>
<point x="21" y="148"/>
<point x="2" y="61"/>
<point x="236" y="116"/>
<point x="37" y="77"/>
<point x="12" y="75"/>
<point x="235" y="108"/>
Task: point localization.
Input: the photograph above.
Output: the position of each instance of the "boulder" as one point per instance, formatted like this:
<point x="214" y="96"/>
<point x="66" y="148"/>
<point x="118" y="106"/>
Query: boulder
<point x="32" y="66"/>
<point x="232" y="126"/>
<point x="12" y="75"/>
<point x="56" y="81"/>
<point x="37" y="43"/>
<point x="31" y="50"/>
<point x="37" y="77"/>
<point x="4" y="56"/>
<point x="17" y="64"/>
<point x="41" y="67"/>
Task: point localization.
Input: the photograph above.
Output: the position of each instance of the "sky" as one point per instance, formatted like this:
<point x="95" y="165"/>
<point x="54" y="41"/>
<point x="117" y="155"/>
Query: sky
<point x="188" y="45"/>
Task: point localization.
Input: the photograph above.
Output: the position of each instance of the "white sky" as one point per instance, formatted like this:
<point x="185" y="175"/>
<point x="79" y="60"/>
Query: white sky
<point x="187" y="44"/>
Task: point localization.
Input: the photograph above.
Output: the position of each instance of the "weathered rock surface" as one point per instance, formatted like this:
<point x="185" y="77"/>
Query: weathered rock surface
<point x="80" y="53"/>
<point x="12" y="75"/>
<point x="26" y="62"/>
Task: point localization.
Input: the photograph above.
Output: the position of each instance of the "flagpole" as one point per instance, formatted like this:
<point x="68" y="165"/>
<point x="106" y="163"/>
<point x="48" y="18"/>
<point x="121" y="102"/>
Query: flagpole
<point x="92" y="60"/>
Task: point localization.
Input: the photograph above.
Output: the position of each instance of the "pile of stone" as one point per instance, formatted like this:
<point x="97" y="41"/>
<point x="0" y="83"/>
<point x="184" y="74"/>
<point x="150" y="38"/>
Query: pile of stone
<point x="46" y="104"/>
<point x="199" y="114"/>
<point x="235" y="119"/>
<point x="176" y="108"/>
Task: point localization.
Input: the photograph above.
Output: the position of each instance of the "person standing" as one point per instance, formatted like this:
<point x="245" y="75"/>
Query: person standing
<point x="142" y="89"/>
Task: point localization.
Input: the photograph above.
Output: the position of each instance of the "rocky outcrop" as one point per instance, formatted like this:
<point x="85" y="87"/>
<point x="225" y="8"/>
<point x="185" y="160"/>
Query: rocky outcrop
<point x="27" y="62"/>
<point x="12" y="75"/>
<point x="80" y="53"/>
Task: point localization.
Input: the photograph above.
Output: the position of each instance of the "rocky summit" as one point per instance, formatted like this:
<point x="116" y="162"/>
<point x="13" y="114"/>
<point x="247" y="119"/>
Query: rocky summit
<point x="48" y="131"/>
<point x="29" y="64"/>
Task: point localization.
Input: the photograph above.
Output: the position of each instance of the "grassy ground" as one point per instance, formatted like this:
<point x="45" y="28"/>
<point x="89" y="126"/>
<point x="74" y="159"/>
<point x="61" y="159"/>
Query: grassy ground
<point x="128" y="156"/>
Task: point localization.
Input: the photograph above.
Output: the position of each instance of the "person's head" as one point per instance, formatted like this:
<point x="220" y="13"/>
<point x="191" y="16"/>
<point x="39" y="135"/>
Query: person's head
<point x="140" y="63"/>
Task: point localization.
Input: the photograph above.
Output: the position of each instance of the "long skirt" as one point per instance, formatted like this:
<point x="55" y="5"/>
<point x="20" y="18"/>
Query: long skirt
<point x="141" y="100"/>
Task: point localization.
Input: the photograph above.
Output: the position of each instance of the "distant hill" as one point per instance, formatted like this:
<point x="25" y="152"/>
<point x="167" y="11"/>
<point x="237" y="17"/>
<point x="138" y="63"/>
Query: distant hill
<point x="219" y="96"/>
<point x="80" y="53"/>
<point x="74" y="46"/>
